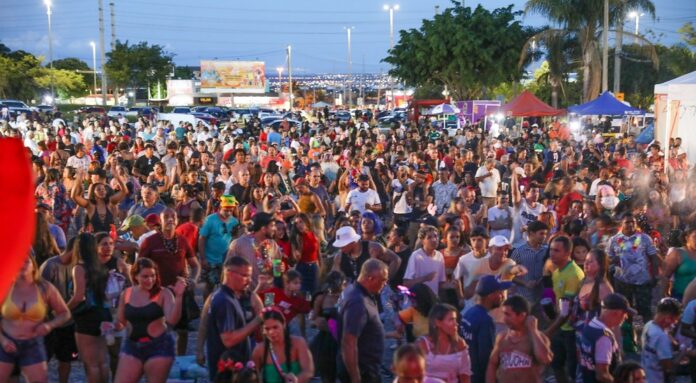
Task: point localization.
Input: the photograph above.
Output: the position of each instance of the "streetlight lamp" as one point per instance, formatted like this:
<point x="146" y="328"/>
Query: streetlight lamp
<point x="637" y="16"/>
<point x="280" y="79"/>
<point x="391" y="9"/>
<point x="49" y="12"/>
<point x="94" y="64"/>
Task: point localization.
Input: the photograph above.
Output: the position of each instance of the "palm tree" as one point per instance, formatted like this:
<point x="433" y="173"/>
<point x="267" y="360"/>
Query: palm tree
<point x="582" y="19"/>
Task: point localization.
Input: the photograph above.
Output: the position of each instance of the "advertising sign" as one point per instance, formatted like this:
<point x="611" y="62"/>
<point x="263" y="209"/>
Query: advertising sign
<point x="233" y="77"/>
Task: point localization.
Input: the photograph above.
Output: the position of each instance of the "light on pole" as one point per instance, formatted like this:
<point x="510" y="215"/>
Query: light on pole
<point x="637" y="16"/>
<point x="350" y="69"/>
<point x="94" y="64"/>
<point x="391" y="9"/>
<point x="280" y="79"/>
<point x="49" y="12"/>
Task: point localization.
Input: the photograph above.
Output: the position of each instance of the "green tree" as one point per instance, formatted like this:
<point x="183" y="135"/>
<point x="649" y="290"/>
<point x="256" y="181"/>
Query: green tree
<point x="583" y="20"/>
<point x="18" y="72"/>
<point x="468" y="50"/>
<point x="67" y="83"/>
<point x="78" y="66"/>
<point x="688" y="34"/>
<point x="138" y="65"/>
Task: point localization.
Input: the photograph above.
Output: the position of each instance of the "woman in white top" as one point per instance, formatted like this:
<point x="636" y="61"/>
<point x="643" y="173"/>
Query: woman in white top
<point x="446" y="354"/>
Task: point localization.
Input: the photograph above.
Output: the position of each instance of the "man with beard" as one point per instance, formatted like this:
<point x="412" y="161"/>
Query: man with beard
<point x="214" y="237"/>
<point x="477" y="326"/>
<point x="258" y="246"/>
<point x="172" y="254"/>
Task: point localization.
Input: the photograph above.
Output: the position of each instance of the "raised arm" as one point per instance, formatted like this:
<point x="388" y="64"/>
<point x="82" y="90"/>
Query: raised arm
<point x="76" y="192"/>
<point x="387" y="256"/>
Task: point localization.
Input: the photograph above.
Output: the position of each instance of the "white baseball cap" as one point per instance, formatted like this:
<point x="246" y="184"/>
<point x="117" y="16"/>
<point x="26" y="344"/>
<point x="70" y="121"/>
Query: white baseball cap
<point x="345" y="236"/>
<point x="498" y="241"/>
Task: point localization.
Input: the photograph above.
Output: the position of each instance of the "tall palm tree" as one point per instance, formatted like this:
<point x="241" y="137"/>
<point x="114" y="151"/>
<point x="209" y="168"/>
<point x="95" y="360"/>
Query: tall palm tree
<point x="583" y="19"/>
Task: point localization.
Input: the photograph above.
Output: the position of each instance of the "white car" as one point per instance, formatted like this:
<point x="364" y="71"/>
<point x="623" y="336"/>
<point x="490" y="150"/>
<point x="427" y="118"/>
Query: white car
<point x="116" y="110"/>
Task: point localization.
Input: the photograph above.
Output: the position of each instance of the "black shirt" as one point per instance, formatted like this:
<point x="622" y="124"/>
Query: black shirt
<point x="145" y="165"/>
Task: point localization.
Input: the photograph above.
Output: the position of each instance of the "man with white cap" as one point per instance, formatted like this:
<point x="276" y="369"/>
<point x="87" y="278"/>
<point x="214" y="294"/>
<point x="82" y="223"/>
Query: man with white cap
<point x="354" y="252"/>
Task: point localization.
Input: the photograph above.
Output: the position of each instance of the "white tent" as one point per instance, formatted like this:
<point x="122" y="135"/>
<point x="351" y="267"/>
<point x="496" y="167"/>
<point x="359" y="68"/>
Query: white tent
<point x="675" y="113"/>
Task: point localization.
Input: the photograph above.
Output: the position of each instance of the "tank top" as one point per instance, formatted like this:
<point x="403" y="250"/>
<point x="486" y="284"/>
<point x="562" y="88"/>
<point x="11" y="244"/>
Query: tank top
<point x="141" y="316"/>
<point x="517" y="360"/>
<point x="447" y="367"/>
<point x="306" y="204"/>
<point x="183" y="211"/>
<point x="97" y="224"/>
<point x="685" y="273"/>
<point x="351" y="267"/>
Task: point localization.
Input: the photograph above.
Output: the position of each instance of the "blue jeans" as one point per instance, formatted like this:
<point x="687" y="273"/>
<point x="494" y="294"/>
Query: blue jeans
<point x="310" y="273"/>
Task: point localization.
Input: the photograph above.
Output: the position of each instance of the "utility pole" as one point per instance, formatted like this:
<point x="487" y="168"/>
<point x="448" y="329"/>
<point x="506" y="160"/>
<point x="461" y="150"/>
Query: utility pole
<point x="350" y="71"/>
<point x="101" y="50"/>
<point x="94" y="65"/>
<point x="290" y="74"/>
<point x="605" y="48"/>
<point x="617" y="54"/>
<point x="113" y="26"/>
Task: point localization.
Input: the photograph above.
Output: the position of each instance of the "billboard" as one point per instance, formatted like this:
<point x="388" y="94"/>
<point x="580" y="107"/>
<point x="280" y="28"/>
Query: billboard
<point x="233" y="77"/>
<point x="180" y="92"/>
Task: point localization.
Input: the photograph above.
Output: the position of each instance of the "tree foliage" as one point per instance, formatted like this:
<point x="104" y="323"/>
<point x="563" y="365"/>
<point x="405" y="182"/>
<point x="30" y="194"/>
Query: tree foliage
<point x="23" y="77"/>
<point x="138" y="65"/>
<point x="688" y="34"/>
<point x="467" y="50"/>
<point x="582" y="21"/>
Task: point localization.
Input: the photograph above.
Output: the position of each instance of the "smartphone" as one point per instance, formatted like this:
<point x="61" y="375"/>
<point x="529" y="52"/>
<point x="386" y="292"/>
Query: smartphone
<point x="269" y="300"/>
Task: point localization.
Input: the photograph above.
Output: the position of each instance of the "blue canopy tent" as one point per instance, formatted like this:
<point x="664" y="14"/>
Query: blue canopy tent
<point x="607" y="105"/>
<point x="647" y="135"/>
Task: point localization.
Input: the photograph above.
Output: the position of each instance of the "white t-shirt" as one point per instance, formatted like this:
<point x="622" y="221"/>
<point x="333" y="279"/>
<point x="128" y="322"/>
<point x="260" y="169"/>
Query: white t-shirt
<point x="420" y="264"/>
<point x="489" y="185"/>
<point x="604" y="348"/>
<point x="523" y="215"/>
<point x="497" y="213"/>
<point x="357" y="199"/>
<point x="465" y="272"/>
<point x="657" y="346"/>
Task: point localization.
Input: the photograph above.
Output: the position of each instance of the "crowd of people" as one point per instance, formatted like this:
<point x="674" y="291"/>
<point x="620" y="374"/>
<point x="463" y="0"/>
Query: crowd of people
<point x="519" y="255"/>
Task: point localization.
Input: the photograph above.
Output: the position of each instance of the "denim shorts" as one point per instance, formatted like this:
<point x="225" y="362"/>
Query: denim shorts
<point x="160" y="347"/>
<point x="29" y="352"/>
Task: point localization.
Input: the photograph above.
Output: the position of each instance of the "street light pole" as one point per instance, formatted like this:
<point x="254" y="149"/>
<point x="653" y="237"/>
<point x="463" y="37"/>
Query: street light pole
<point x="637" y="16"/>
<point x="290" y="74"/>
<point x="350" y="70"/>
<point x="391" y="9"/>
<point x="102" y="55"/>
<point x="280" y="79"/>
<point x="94" y="64"/>
<point x="49" y="12"/>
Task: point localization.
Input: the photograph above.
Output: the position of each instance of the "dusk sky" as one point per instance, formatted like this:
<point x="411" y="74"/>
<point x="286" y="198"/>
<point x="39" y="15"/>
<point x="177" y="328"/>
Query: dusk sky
<point x="258" y="30"/>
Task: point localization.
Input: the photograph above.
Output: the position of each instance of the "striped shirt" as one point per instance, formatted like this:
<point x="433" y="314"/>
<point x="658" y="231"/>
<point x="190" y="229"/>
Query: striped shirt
<point x="533" y="259"/>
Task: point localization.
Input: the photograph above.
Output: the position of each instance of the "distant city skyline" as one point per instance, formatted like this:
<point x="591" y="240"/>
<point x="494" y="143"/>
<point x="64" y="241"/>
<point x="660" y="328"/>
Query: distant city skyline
<point x="260" y="30"/>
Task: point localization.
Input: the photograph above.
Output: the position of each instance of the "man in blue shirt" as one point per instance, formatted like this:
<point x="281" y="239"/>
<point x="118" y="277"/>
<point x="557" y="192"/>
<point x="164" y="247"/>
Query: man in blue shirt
<point x="274" y="137"/>
<point x="214" y="237"/>
<point x="233" y="315"/>
<point x="477" y="326"/>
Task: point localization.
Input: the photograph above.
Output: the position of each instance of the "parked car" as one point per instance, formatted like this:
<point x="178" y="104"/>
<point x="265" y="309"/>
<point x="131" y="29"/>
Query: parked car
<point x="91" y="110"/>
<point x="115" y="111"/>
<point x="15" y="107"/>
<point x="44" y="108"/>
<point x="277" y="122"/>
<point x="181" y="110"/>
<point x="343" y="115"/>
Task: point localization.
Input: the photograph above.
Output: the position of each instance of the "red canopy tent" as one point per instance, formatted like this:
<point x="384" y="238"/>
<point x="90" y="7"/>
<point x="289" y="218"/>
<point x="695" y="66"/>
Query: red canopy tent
<point x="527" y="105"/>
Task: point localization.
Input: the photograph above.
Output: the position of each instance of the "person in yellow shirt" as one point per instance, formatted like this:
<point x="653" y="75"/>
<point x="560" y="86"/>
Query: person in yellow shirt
<point x="567" y="278"/>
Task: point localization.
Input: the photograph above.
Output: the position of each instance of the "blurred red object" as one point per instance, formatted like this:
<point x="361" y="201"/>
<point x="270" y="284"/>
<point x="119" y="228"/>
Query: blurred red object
<point x="17" y="202"/>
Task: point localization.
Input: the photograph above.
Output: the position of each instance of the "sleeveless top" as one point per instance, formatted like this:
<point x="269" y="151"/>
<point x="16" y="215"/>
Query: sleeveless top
<point x="306" y="204"/>
<point x="141" y="316"/>
<point x="96" y="222"/>
<point x="685" y="273"/>
<point x="517" y="360"/>
<point x="351" y="267"/>
<point x="183" y="210"/>
<point x="586" y="342"/>
<point x="34" y="313"/>
<point x="447" y="367"/>
<point x="270" y="374"/>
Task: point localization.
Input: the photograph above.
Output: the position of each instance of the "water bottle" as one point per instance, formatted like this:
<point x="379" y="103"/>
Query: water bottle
<point x="110" y="337"/>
